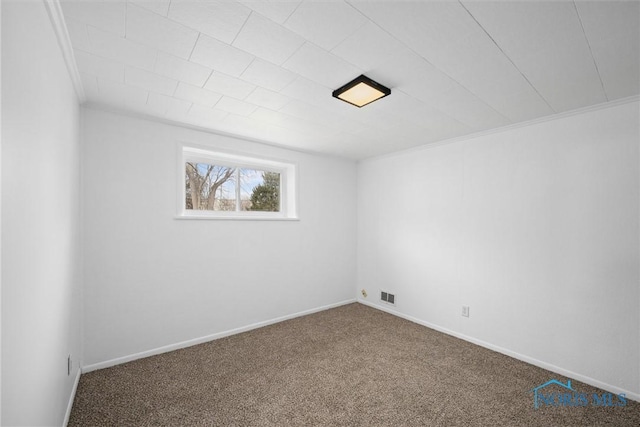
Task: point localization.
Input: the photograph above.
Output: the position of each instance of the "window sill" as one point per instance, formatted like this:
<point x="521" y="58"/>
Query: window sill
<point x="235" y="218"/>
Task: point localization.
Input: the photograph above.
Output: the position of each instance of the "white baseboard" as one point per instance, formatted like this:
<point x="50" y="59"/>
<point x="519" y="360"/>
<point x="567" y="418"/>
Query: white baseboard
<point x="544" y="365"/>
<point x="72" y="397"/>
<point x="196" y="341"/>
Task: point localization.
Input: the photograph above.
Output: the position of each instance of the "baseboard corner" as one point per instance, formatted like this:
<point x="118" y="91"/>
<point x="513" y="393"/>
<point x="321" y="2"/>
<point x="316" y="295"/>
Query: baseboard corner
<point x="72" y="397"/>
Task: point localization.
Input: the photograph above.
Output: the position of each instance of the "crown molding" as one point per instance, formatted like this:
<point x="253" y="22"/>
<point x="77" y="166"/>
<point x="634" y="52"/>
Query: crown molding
<point x="64" y="41"/>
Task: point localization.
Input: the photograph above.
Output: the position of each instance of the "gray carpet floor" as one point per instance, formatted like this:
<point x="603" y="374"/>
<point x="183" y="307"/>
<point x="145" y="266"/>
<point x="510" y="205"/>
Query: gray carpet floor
<point x="348" y="366"/>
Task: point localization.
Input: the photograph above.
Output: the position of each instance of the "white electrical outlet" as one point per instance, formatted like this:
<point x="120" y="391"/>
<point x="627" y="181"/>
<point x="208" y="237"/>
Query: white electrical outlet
<point x="465" y="311"/>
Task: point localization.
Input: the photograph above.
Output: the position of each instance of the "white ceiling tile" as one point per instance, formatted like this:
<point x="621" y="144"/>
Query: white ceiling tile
<point x="516" y="106"/>
<point x="618" y="60"/>
<point x="321" y="66"/>
<point x="149" y="81"/>
<point x="190" y="120"/>
<point x="78" y="34"/>
<point x="230" y="86"/>
<point x="351" y="146"/>
<point x="393" y="139"/>
<point x="245" y="126"/>
<point x="206" y="116"/>
<point x="566" y="62"/>
<point x="605" y="19"/>
<point x="161" y="7"/>
<point x="196" y="95"/>
<point x="441" y="134"/>
<point x="219" y="19"/>
<point x="313" y="93"/>
<point x="496" y="71"/>
<point x="122" y="50"/>
<point x="402" y="105"/>
<point x="99" y="67"/>
<point x="502" y="85"/>
<point x="178" y="110"/>
<point x="368" y="47"/>
<point x="276" y="10"/>
<point x="267" y="75"/>
<point x="369" y="133"/>
<point x="325" y="23"/>
<point x="106" y="15"/>
<point x="311" y="113"/>
<point x="253" y="128"/>
<point x="524" y="104"/>
<point x="424" y="26"/>
<point x="574" y="80"/>
<point x="122" y="95"/>
<point x="302" y="89"/>
<point x="571" y="95"/>
<point x="413" y="75"/>
<point x="180" y="69"/>
<point x="157" y="105"/>
<point x="613" y="31"/>
<point x="521" y="28"/>
<point x="351" y="125"/>
<point x="304" y="126"/>
<point x="235" y="106"/>
<point x="379" y="116"/>
<point x="158" y="32"/>
<point x="267" y="98"/>
<point x="90" y="86"/>
<point x="267" y="40"/>
<point x="407" y="136"/>
<point x="270" y="117"/>
<point x="220" y="56"/>
<point x="163" y="105"/>
<point x="468" y="109"/>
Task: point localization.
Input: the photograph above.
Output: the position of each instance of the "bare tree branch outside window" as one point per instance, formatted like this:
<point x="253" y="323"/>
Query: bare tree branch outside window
<point x="209" y="187"/>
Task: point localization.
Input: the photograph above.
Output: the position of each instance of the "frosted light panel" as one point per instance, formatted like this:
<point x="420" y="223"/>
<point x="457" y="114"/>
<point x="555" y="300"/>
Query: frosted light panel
<point x="361" y="91"/>
<point x="361" y="94"/>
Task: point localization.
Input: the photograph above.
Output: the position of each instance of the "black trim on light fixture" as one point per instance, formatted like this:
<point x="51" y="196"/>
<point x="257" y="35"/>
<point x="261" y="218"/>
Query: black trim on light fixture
<point x="367" y="81"/>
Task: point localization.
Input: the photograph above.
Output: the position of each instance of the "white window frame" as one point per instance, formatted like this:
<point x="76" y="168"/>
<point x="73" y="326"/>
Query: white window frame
<point x="288" y="179"/>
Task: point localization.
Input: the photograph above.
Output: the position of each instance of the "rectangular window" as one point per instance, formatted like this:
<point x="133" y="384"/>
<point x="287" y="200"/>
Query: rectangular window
<point x="225" y="185"/>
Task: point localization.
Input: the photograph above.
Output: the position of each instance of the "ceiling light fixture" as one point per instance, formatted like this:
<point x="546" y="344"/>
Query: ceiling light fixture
<point x="361" y="91"/>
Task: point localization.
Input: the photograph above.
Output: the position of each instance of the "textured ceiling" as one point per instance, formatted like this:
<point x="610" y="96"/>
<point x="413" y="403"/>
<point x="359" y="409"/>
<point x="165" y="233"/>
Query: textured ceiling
<point x="266" y="69"/>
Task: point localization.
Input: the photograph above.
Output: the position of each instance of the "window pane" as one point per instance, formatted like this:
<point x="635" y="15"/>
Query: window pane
<point x="210" y="187"/>
<point x="259" y="190"/>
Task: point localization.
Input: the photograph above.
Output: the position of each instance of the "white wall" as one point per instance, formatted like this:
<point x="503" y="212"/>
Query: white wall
<point x="0" y="213"/>
<point x="40" y="220"/>
<point x="153" y="280"/>
<point x="535" y="228"/>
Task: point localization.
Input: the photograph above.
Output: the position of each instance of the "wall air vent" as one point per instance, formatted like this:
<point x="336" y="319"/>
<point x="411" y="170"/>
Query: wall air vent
<point x="387" y="297"/>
